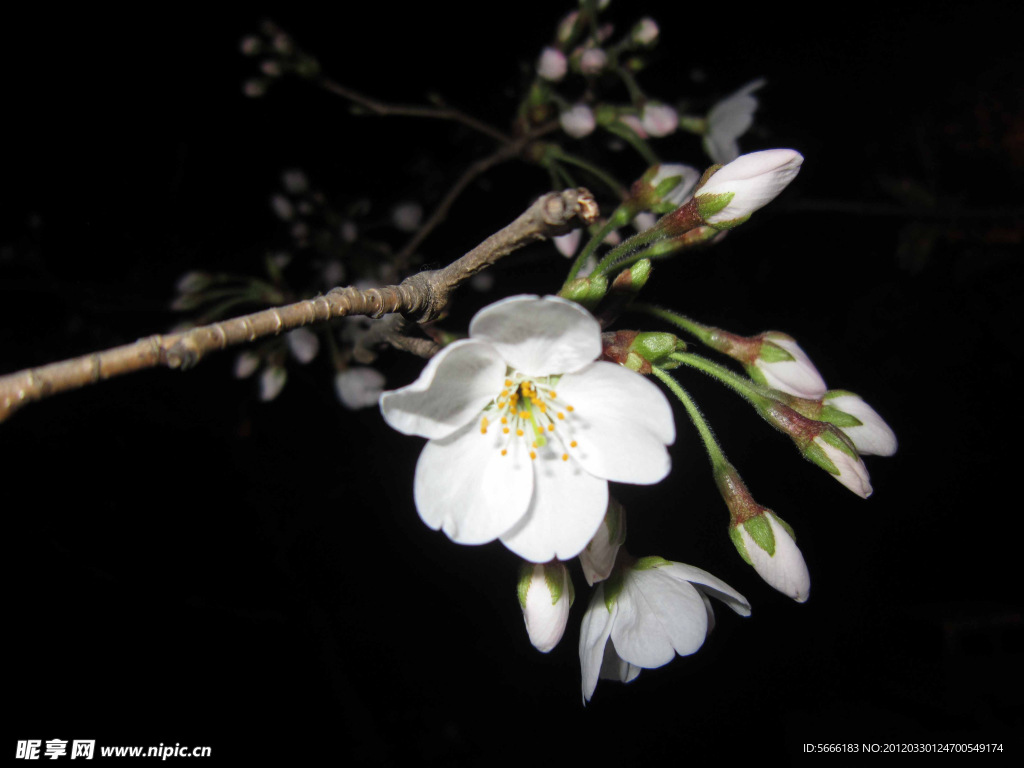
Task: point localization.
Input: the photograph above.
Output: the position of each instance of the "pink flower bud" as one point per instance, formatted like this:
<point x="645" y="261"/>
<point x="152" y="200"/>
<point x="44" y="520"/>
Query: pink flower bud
<point x="552" y="64"/>
<point x="578" y="121"/>
<point x="659" y="119"/>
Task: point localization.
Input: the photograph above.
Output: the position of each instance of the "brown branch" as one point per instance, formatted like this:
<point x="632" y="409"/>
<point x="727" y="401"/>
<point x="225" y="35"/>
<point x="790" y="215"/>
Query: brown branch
<point x="439" y="113"/>
<point x="420" y="298"/>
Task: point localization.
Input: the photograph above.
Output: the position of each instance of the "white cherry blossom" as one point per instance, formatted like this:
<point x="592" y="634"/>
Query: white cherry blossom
<point x="526" y="428"/>
<point x="658" y="609"/>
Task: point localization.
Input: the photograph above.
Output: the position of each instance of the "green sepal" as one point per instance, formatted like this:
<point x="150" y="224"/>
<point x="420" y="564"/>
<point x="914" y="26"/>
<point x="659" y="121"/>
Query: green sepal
<point x="605" y="114"/>
<point x="646" y="563"/>
<point x="737" y="541"/>
<point x="708" y="173"/>
<point x="755" y="374"/>
<point x="639" y="274"/>
<point x="760" y="531"/>
<point x="839" y="393"/>
<point x="839" y="443"/>
<point x="586" y="291"/>
<point x="773" y="353"/>
<point x="525" y="579"/>
<point x="615" y="522"/>
<point x="833" y="415"/>
<point x="667" y="185"/>
<point x="663" y="207"/>
<point x="612" y="588"/>
<point x="786" y="526"/>
<point x="652" y="346"/>
<point x="553" y="580"/>
<point x="816" y="454"/>
<point x="709" y="205"/>
<point x="730" y="223"/>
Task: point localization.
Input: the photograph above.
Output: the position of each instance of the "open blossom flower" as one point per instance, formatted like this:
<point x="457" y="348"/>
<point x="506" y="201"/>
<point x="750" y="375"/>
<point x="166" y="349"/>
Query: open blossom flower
<point x="872" y="436"/>
<point x="545" y="595"/>
<point x="728" y="120"/>
<point x="644" y="615"/>
<point x="782" y="365"/>
<point x="745" y="185"/>
<point x="525" y="429"/>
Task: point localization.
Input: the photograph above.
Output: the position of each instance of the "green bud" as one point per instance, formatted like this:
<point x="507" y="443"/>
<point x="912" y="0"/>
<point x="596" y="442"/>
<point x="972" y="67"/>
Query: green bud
<point x="636" y="363"/>
<point x="586" y="291"/>
<point x="652" y="346"/>
<point x="814" y="453"/>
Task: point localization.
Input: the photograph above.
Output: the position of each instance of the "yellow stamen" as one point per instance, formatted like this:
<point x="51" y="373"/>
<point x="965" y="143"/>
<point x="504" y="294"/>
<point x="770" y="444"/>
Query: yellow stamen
<point x="565" y="457"/>
<point x="551" y="427"/>
<point x="534" y="443"/>
<point x="542" y="407"/>
<point x="504" y="420"/>
<point x="561" y="415"/>
<point x="519" y="432"/>
<point x="533" y="455"/>
<point x="508" y="382"/>
<point x="504" y="393"/>
<point x="483" y="426"/>
<point x="504" y="430"/>
<point x="573" y="444"/>
<point x="503" y="451"/>
<point x="553" y="394"/>
<point x="569" y="408"/>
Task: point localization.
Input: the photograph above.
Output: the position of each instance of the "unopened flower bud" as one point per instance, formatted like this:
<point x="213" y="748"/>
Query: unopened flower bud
<point x="781" y="364"/>
<point x="359" y="387"/>
<point x="586" y="291"/>
<point x="567" y="26"/>
<point x="633" y="279"/>
<point x="673" y="183"/>
<point x="634" y="124"/>
<point x="271" y="68"/>
<point x="859" y="422"/>
<point x="732" y="193"/>
<point x="552" y="65"/>
<point x="254" y="88"/>
<point x="593" y="61"/>
<point x="545" y="595"/>
<point x="645" y="32"/>
<point x="568" y="243"/>
<point x="407" y="216"/>
<point x="246" y="364"/>
<point x="282" y="206"/>
<point x="349" y="232"/>
<point x="304" y="344"/>
<point x="577" y="121"/>
<point x="644" y="221"/>
<point x="193" y="282"/>
<point x="295" y="181"/>
<point x="598" y="558"/>
<point x="659" y="119"/>
<point x="251" y="45"/>
<point x="272" y="381"/>
<point x="835" y="455"/>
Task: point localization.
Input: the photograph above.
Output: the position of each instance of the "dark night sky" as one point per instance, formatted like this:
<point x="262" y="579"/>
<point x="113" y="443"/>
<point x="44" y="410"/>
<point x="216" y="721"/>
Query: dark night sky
<point x="191" y="565"/>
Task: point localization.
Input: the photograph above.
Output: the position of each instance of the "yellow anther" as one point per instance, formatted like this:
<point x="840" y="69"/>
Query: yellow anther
<point x="565" y="457"/>
<point x="573" y="444"/>
<point x="542" y="407"/>
<point x="551" y="427"/>
<point x="561" y="415"/>
<point x="501" y="403"/>
<point x="569" y="408"/>
<point x="504" y="393"/>
<point x="534" y="443"/>
<point x="503" y="451"/>
<point x="504" y="430"/>
<point x="508" y="382"/>
<point x="504" y="420"/>
<point x="519" y="432"/>
<point x="553" y="394"/>
<point x="483" y="422"/>
<point x="533" y="455"/>
<point x="483" y="430"/>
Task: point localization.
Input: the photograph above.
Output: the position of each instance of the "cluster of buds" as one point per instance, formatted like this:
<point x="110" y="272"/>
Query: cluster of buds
<point x="279" y="56"/>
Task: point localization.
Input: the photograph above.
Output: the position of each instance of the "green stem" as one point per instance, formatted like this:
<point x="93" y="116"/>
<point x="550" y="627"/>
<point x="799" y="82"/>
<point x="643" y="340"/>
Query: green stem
<point x="635" y="94"/>
<point x="626" y="248"/>
<point x="623" y="131"/>
<point x="715" y="454"/>
<point x="604" y="177"/>
<point x="591" y="246"/>
<point x="701" y="332"/>
<point x="747" y="389"/>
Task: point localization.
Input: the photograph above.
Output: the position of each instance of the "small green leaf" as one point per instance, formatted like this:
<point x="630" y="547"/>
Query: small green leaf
<point x="838" y="442"/>
<point x="553" y="580"/>
<point x="525" y="579"/>
<point x="786" y="526"/>
<point x="709" y="205"/>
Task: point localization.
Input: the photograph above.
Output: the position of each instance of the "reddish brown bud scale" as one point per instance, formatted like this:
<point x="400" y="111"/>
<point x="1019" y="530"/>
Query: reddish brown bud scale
<point x="616" y="345"/>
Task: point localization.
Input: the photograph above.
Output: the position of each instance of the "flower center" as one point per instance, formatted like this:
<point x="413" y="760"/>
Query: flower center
<point x="529" y="411"/>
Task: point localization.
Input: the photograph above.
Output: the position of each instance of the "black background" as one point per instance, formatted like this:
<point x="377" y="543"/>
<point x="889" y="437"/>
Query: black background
<point x="191" y="565"/>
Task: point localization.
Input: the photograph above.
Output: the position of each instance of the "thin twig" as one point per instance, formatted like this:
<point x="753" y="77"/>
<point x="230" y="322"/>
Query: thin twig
<point x="438" y="113"/>
<point x="420" y="298"/>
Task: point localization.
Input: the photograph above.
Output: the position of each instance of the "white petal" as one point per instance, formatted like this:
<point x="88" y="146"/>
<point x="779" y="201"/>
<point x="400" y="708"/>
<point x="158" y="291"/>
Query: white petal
<point x="852" y="472"/>
<point x="567" y="244"/>
<point x="786" y="570"/>
<point x="539" y="336"/>
<point x="754" y="180"/>
<point x="709" y="584"/>
<point x="658" y="616"/>
<point x="874" y="437"/>
<point x="467" y="488"/>
<point x="359" y="387"/>
<point x="614" y="667"/>
<point x="721" y="149"/>
<point x="621" y="421"/>
<point x="690" y="177"/>
<point x="728" y="120"/>
<point x="594" y="630"/>
<point x="644" y="221"/>
<point x="598" y="557"/>
<point x="567" y="507"/>
<point x="454" y="387"/>
<point x="304" y="344"/>
<point x="272" y="381"/>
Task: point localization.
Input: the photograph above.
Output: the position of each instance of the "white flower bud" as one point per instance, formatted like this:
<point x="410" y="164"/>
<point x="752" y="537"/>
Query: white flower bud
<point x="634" y="124"/>
<point x="849" y="469"/>
<point x="873" y="437"/>
<point x="250" y="45"/>
<point x="681" y="192"/>
<point x="282" y="206"/>
<point x="659" y="119"/>
<point x="552" y="64"/>
<point x="566" y="25"/>
<point x="271" y="68"/>
<point x="782" y="365"/>
<point x="304" y="344"/>
<point x="577" y="121"/>
<point x="567" y="244"/>
<point x="407" y="216"/>
<point x="599" y="556"/>
<point x="294" y="181"/>
<point x="746" y="184"/>
<point x="246" y="365"/>
<point x="767" y="543"/>
<point x="593" y="61"/>
<point x="545" y="594"/>
<point x="272" y="381"/>
<point x="359" y="387"/>
<point x="646" y="31"/>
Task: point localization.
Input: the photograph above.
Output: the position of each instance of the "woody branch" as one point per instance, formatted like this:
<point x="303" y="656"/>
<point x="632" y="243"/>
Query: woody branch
<point x="420" y="298"/>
